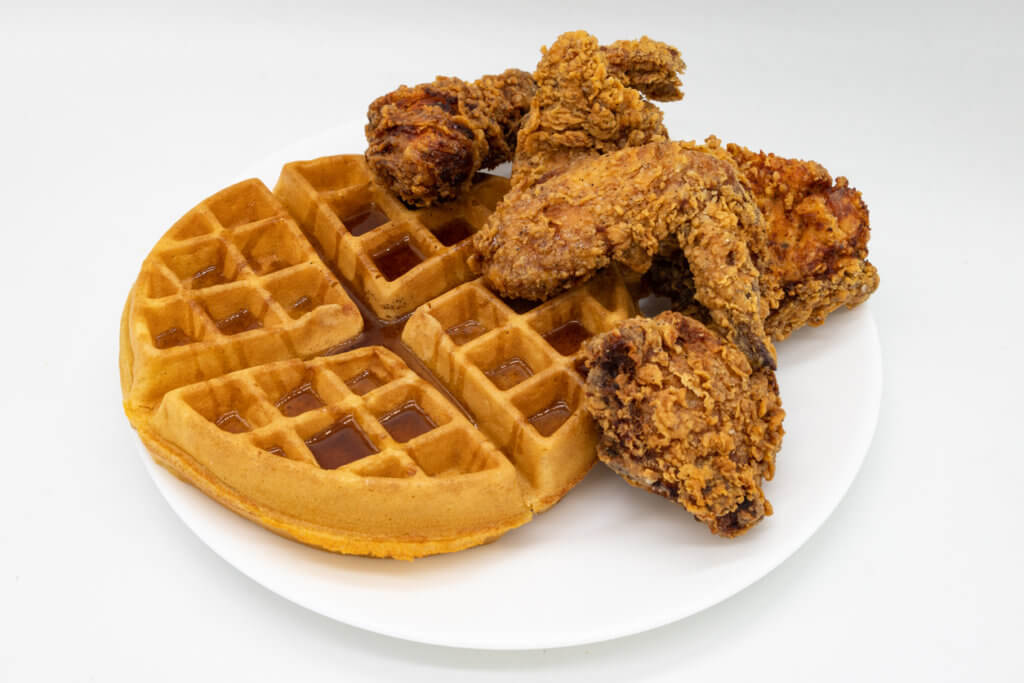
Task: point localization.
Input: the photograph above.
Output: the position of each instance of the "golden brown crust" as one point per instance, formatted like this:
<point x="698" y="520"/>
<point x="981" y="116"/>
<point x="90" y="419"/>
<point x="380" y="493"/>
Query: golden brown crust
<point x="650" y="66"/>
<point x="684" y="416"/>
<point x="427" y="141"/>
<point x="583" y="107"/>
<point x="622" y="207"/>
<point x="818" y="234"/>
<point x="812" y="255"/>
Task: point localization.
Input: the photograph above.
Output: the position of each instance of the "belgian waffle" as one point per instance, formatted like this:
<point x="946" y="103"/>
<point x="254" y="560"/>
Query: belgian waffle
<point x="251" y="368"/>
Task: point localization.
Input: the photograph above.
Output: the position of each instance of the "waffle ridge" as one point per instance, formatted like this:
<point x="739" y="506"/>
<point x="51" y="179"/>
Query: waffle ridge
<point x="324" y="193"/>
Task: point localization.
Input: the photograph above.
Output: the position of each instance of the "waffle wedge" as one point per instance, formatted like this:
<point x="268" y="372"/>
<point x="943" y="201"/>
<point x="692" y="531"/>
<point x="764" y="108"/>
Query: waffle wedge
<point x="268" y="359"/>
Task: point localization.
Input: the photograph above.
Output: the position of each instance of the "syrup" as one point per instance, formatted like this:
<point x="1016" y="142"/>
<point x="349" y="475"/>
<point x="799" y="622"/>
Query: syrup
<point x="241" y="320"/>
<point x="276" y="450"/>
<point x="548" y="420"/>
<point x="341" y="443"/>
<point x="407" y="422"/>
<point x="172" y="336"/>
<point x="301" y="307"/>
<point x="397" y="259"/>
<point x="509" y="373"/>
<point x="364" y="219"/>
<point x="386" y="333"/>
<point x="232" y="422"/>
<point x="364" y="383"/>
<point x="568" y="337"/>
<point x="208" y="277"/>
<point x="466" y="331"/>
<point x="453" y="231"/>
<point x="521" y="306"/>
<point x="299" y="400"/>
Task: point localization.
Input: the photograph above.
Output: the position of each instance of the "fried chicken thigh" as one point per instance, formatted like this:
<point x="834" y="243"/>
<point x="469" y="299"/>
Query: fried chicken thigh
<point x="683" y="415"/>
<point x="621" y="208"/>
<point x="426" y="142"/>
<point x="590" y="100"/>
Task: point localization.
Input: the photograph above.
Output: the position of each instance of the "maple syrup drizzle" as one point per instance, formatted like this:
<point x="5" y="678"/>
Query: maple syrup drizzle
<point x="397" y="258"/>
<point x="241" y="320"/>
<point x="548" y="420"/>
<point x="407" y="422"/>
<point x="208" y="277"/>
<point x="301" y="306"/>
<point x="364" y="219"/>
<point x="172" y="336"/>
<point x="453" y="231"/>
<point x="232" y="422"/>
<point x="364" y="383"/>
<point x="341" y="443"/>
<point x="568" y="337"/>
<point x="276" y="450"/>
<point x="509" y="373"/>
<point x="377" y="332"/>
<point x="521" y="306"/>
<point x="299" y="400"/>
<point x="466" y="331"/>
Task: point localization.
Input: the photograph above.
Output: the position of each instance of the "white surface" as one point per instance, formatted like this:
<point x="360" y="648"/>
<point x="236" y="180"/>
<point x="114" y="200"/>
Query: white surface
<point x="115" y="122"/>
<point x="604" y="532"/>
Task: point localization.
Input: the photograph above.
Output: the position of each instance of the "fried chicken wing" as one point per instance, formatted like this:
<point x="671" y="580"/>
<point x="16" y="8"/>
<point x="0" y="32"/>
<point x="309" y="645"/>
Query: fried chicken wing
<point x="426" y="142"/>
<point x="818" y="234"/>
<point x="621" y="208"/>
<point x="650" y="66"/>
<point x="813" y="258"/>
<point x="585" y="105"/>
<point x="683" y="415"/>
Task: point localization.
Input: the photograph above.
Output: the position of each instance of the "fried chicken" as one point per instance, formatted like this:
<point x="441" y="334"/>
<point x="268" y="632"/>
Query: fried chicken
<point x="650" y="66"/>
<point x="590" y="101"/>
<point x="814" y="259"/>
<point x="622" y="207"/>
<point x="427" y="142"/>
<point x="683" y="415"/>
<point x="818" y="234"/>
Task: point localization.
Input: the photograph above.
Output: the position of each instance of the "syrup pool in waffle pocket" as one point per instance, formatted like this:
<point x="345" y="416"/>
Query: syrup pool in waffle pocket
<point x="320" y="360"/>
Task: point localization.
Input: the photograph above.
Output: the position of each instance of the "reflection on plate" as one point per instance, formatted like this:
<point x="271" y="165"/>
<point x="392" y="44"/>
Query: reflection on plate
<point x="547" y="584"/>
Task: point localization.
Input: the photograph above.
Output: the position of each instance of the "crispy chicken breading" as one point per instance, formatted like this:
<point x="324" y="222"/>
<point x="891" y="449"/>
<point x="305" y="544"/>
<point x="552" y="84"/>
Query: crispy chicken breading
<point x="683" y="415"/>
<point x="622" y="207"/>
<point x="817" y="238"/>
<point x="814" y="256"/>
<point x="589" y="102"/>
<point x="427" y="142"/>
<point x="650" y="66"/>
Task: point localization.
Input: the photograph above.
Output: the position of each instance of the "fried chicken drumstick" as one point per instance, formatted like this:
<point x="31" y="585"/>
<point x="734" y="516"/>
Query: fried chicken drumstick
<point x="621" y="208"/>
<point x="683" y="415"/>
<point x="426" y="142"/>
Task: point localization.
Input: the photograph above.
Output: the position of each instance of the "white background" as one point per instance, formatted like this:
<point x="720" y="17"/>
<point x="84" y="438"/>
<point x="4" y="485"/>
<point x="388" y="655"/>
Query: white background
<point x="115" y="121"/>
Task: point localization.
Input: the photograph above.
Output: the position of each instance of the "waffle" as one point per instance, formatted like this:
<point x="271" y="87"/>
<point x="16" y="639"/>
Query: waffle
<point x="396" y="258"/>
<point x="285" y="435"/>
<point x="519" y="371"/>
<point x="232" y="284"/>
<point x="252" y="367"/>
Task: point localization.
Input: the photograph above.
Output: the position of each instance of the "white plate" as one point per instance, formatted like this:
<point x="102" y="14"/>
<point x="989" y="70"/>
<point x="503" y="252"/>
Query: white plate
<point x="547" y="583"/>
